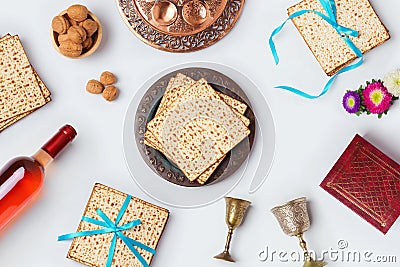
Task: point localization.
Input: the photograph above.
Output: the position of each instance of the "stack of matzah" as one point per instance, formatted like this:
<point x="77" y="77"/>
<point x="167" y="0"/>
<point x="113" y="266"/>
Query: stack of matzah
<point x="326" y="44"/>
<point x="93" y="250"/>
<point x="196" y="126"/>
<point x="21" y="89"/>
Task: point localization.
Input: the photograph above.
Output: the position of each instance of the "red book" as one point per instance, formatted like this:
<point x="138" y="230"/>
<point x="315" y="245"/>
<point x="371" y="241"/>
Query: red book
<point x="368" y="182"/>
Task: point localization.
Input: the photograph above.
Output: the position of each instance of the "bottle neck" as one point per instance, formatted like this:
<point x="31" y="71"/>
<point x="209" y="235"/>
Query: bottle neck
<point x="59" y="141"/>
<point x="43" y="158"/>
<point x="55" y="145"/>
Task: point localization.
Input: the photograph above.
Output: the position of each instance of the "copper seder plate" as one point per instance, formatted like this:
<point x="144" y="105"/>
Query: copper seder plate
<point x="184" y="33"/>
<point x="157" y="161"/>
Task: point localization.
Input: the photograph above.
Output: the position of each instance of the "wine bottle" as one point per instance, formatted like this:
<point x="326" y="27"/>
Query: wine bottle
<point x="21" y="179"/>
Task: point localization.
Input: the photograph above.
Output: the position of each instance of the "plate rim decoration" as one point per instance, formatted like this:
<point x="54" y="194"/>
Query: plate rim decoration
<point x="175" y="43"/>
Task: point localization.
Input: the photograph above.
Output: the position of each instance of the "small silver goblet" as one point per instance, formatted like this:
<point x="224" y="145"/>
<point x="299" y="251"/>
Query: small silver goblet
<point x="294" y="221"/>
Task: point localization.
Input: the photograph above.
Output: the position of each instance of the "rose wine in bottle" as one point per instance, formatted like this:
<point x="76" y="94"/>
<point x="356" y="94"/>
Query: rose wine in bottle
<point x="22" y="178"/>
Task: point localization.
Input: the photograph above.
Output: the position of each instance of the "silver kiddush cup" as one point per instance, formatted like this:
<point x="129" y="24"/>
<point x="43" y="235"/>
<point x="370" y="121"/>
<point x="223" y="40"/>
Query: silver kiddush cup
<point x="294" y="221"/>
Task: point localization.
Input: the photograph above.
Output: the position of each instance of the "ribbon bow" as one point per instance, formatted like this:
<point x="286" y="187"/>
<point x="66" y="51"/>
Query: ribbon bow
<point x="331" y="18"/>
<point x="110" y="227"/>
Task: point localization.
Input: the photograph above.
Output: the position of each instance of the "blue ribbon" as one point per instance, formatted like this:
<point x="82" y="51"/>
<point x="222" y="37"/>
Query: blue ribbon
<point x="331" y="18"/>
<point x="110" y="227"/>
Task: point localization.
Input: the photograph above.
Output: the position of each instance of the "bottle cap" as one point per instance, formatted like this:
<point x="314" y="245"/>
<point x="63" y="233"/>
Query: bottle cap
<point x="60" y="140"/>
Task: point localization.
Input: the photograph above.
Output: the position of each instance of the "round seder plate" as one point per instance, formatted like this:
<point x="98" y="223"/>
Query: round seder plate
<point x="184" y="31"/>
<point x="148" y="106"/>
<point x="191" y="16"/>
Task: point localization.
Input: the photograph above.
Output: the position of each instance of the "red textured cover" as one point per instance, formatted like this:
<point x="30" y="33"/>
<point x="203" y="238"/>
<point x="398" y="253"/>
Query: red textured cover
<point x="368" y="182"/>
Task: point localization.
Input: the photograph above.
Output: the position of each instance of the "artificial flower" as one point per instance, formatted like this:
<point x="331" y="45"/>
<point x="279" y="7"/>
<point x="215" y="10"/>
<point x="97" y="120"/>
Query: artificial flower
<point x="376" y="98"/>
<point x="351" y="102"/>
<point x="392" y="82"/>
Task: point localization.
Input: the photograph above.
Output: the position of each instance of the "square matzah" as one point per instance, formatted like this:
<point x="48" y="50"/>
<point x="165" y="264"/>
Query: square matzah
<point x="151" y="141"/>
<point x="166" y="128"/>
<point x="16" y="69"/>
<point x="326" y="44"/>
<point x="176" y="84"/>
<point x="176" y="87"/>
<point x="19" y="88"/>
<point x="93" y="250"/>
<point x="46" y="93"/>
<point x="181" y="83"/>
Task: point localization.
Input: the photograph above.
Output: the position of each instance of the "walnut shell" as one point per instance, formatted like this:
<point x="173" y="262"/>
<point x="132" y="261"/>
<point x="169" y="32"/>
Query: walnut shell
<point x="107" y="78"/>
<point x="87" y="44"/>
<point x="72" y="22"/>
<point x="60" y="24"/>
<point x="94" y="87"/>
<point x="70" y="49"/>
<point x="62" y="38"/>
<point x="77" y="12"/>
<point x="90" y="26"/>
<point x="110" y="93"/>
<point x="76" y="34"/>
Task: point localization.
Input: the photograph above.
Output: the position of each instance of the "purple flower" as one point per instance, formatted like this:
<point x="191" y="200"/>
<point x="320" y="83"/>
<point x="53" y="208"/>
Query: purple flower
<point x="351" y="102"/>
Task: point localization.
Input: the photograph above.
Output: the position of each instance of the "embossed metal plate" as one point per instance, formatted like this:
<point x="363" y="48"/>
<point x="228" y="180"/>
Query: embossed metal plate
<point x="184" y="23"/>
<point x="184" y="32"/>
<point x="148" y="106"/>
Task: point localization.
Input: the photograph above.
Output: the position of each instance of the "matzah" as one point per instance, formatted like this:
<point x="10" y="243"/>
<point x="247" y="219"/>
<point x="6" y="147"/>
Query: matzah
<point x="45" y="91"/>
<point x="19" y="89"/>
<point x="331" y="52"/>
<point x="235" y="104"/>
<point x="177" y="87"/>
<point x="200" y="89"/>
<point x="93" y="250"/>
<point x="181" y="82"/>
<point x="17" y="75"/>
<point x="240" y="107"/>
<point x="11" y="121"/>
<point x="151" y="141"/>
<point x="200" y="100"/>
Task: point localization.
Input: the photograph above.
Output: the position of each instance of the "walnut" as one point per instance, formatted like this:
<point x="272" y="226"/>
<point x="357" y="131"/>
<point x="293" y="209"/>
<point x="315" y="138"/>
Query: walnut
<point x="77" y="12"/>
<point x="110" y="93"/>
<point x="107" y="78"/>
<point x="94" y="87"/>
<point x="62" y="38"/>
<point x="60" y="24"/>
<point x="90" y="26"/>
<point x="72" y="22"/>
<point x="76" y="34"/>
<point x="70" y="49"/>
<point x="87" y="44"/>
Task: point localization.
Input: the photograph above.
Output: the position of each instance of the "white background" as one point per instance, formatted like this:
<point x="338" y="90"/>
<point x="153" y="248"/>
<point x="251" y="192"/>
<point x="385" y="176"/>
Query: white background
<point x="311" y="135"/>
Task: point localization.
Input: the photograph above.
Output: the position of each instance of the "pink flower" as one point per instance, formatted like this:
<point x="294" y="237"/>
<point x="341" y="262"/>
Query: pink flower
<point x="377" y="99"/>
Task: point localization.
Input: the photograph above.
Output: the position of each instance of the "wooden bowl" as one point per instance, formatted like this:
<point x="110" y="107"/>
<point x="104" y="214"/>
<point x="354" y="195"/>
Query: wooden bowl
<point x="96" y="37"/>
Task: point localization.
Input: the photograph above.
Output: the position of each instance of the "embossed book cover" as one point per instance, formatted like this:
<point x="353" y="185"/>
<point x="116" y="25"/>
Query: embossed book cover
<point x="368" y="182"/>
